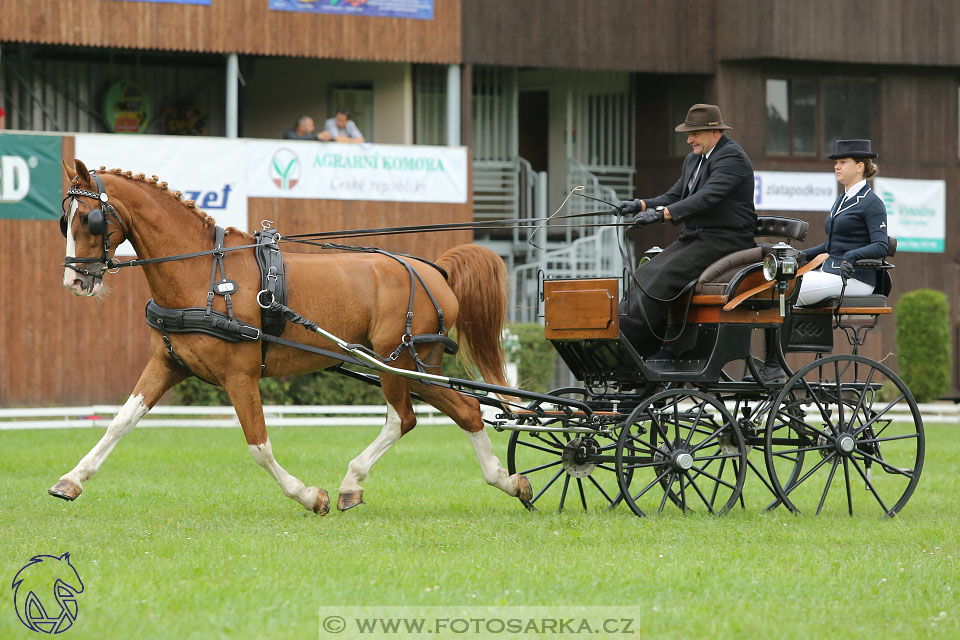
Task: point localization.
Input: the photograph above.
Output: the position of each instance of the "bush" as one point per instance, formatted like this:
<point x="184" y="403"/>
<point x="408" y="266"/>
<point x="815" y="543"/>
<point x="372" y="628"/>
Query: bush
<point x="923" y="343"/>
<point x="535" y="357"/>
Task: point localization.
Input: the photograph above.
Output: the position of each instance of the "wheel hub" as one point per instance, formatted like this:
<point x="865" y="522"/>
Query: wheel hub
<point x="681" y="461"/>
<point x="578" y="456"/>
<point x="846" y="444"/>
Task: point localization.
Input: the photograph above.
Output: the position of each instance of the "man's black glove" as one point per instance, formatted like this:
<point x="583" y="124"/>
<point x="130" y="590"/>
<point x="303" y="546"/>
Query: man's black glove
<point x="628" y="207"/>
<point x="648" y="217"/>
<point x="846" y="270"/>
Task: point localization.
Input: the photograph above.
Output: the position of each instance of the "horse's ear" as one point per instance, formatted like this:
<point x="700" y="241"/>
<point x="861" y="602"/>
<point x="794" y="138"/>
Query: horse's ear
<point x="68" y="171"/>
<point x="81" y="170"/>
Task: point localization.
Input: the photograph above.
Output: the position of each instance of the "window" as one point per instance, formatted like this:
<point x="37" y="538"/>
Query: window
<point x="803" y="111"/>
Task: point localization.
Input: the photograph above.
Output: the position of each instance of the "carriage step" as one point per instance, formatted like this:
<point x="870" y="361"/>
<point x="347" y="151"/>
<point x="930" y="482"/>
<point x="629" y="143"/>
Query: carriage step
<point x="677" y="366"/>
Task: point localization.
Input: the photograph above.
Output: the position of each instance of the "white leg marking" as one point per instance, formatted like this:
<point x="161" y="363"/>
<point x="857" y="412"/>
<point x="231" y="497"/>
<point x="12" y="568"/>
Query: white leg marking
<point x="360" y="466"/>
<point x="291" y="487"/>
<point x="493" y="472"/>
<point x="130" y="414"/>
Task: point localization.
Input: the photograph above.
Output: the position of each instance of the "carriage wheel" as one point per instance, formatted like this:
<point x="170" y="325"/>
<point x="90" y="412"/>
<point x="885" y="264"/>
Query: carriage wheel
<point x="752" y="419"/>
<point x="681" y="447"/>
<point x="839" y="414"/>
<point x="567" y="470"/>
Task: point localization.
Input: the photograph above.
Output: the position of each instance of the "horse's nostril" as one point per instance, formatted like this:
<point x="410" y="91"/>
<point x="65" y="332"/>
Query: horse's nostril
<point x="77" y="283"/>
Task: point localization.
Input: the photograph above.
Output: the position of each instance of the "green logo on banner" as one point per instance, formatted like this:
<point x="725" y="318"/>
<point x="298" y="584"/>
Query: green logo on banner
<point x="30" y="177"/>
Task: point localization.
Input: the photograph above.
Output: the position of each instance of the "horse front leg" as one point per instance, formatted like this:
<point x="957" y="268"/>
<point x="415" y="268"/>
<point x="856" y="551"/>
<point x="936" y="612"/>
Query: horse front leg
<point x="244" y="393"/>
<point x="157" y="377"/>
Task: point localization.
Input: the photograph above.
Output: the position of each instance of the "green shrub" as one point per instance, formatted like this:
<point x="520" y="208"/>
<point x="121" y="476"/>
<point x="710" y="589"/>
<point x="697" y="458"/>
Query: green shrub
<point x="534" y="355"/>
<point x="923" y="342"/>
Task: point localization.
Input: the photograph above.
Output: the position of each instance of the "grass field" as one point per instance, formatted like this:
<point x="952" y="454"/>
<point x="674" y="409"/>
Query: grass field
<point x="181" y="535"/>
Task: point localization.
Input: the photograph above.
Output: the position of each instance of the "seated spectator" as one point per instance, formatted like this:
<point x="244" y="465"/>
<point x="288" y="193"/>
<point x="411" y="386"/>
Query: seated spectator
<point x="341" y="128"/>
<point x="303" y="130"/>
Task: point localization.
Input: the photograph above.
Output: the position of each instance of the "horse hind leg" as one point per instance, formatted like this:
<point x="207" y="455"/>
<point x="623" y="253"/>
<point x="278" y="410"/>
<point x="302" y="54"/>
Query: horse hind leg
<point x="245" y="396"/>
<point x="466" y="413"/>
<point x="400" y="419"/>
<point x="157" y="377"/>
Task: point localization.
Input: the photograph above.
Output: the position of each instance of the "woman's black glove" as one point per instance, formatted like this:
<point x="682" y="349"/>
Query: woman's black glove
<point x="846" y="270"/>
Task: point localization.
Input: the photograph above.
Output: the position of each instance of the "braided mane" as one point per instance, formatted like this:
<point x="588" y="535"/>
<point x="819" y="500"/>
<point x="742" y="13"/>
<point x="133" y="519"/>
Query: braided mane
<point x="154" y="180"/>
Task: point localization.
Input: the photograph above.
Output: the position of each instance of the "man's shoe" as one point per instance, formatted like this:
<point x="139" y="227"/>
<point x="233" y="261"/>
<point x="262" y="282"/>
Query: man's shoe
<point x="769" y="374"/>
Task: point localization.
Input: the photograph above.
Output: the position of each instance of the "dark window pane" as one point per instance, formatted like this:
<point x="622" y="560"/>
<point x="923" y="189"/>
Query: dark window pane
<point x="861" y="111"/>
<point x="835" y="126"/>
<point x="804" y="116"/>
<point x="778" y="117"/>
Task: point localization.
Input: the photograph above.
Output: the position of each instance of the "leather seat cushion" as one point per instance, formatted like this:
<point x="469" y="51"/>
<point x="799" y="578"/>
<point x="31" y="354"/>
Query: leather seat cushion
<point x="716" y="277"/>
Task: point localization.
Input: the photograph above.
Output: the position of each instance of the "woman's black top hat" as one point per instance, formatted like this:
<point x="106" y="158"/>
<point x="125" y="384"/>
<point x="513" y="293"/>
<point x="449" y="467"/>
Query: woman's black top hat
<point x="853" y="149"/>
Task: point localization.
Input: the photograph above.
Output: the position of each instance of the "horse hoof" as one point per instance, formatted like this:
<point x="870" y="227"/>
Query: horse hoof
<point x="322" y="504"/>
<point x="524" y="490"/>
<point x="65" y="490"/>
<point x="349" y="499"/>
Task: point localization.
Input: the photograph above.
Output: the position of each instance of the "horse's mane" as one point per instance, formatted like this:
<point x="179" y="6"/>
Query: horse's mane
<point x="154" y="180"/>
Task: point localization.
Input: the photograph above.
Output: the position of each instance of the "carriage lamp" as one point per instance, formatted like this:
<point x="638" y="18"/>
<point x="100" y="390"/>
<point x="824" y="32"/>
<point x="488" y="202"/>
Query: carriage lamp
<point x="649" y="255"/>
<point x="781" y="265"/>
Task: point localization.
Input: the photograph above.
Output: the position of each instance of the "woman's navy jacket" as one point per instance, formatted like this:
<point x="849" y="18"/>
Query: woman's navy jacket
<point x="856" y="229"/>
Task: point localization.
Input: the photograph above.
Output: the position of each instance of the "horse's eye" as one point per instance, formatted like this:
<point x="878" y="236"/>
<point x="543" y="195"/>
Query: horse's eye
<point x="83" y="220"/>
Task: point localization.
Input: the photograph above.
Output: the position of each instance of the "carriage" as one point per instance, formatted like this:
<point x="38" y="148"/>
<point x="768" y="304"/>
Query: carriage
<point x="843" y="434"/>
<point x="688" y="432"/>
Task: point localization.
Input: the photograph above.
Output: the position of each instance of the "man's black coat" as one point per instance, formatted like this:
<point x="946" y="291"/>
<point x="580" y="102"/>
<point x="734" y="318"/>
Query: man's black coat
<point x="720" y="219"/>
<point x="722" y="196"/>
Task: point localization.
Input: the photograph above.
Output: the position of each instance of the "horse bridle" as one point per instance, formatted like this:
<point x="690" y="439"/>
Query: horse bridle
<point x="97" y="222"/>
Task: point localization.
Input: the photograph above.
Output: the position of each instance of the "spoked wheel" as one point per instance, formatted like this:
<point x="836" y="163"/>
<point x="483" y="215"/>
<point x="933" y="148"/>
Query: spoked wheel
<point x="567" y="470"/>
<point x="836" y="419"/>
<point x="752" y="418"/>
<point x="681" y="447"/>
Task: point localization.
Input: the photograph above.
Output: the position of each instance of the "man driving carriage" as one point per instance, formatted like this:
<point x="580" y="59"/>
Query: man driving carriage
<point x="713" y="199"/>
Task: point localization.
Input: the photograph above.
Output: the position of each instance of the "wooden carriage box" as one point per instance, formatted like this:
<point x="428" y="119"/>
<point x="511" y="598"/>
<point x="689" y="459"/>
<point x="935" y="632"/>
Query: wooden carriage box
<point x="581" y="309"/>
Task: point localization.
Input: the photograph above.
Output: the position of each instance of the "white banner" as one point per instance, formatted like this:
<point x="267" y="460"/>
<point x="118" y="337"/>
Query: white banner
<point x="916" y="212"/>
<point x="789" y="191"/>
<point x="306" y="169"/>
<point x="208" y="170"/>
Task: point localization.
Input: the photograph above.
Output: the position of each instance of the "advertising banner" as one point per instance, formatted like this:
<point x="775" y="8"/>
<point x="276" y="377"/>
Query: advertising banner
<point x="293" y="169"/>
<point x="418" y="9"/>
<point x="916" y="212"/>
<point x="794" y="191"/>
<point x="210" y="171"/>
<point x="30" y="177"/>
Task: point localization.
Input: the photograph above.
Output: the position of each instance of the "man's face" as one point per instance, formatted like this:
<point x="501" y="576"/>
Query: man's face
<point x="306" y="125"/>
<point x="702" y="141"/>
<point x="341" y="121"/>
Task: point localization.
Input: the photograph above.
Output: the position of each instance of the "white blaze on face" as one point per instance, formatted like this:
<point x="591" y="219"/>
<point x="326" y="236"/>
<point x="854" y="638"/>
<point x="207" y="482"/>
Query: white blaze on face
<point x="69" y="275"/>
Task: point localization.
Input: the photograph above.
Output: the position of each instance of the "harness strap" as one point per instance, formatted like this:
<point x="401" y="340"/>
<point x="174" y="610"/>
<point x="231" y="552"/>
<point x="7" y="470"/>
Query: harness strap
<point x="273" y="285"/>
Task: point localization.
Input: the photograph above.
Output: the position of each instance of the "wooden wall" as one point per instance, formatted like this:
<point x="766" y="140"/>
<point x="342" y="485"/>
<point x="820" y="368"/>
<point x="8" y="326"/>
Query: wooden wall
<point x="922" y="32"/>
<point x="57" y="349"/>
<point x="234" y="26"/>
<point x="652" y="35"/>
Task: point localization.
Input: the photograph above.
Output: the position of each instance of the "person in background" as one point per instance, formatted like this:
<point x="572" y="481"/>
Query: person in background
<point x="856" y="229"/>
<point x="713" y="199"/>
<point x="303" y="129"/>
<point x="3" y="118"/>
<point x="341" y="128"/>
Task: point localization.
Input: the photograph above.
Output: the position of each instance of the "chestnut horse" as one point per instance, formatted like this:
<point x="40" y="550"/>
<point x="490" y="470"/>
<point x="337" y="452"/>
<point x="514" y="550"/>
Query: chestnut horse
<point x="359" y="297"/>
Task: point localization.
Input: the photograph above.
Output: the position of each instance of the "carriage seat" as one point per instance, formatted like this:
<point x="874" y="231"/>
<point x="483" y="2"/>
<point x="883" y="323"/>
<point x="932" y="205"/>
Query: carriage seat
<point x="874" y="303"/>
<point x="716" y="279"/>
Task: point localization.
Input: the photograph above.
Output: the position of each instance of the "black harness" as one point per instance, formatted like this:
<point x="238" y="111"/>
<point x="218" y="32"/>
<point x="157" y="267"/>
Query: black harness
<point x="98" y="223"/>
<point x="271" y="297"/>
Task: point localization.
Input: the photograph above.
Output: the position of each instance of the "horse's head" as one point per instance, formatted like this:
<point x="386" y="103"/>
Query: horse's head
<point x="92" y="228"/>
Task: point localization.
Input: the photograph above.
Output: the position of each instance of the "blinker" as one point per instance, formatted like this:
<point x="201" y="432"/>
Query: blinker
<point x="97" y="222"/>
<point x="63" y="225"/>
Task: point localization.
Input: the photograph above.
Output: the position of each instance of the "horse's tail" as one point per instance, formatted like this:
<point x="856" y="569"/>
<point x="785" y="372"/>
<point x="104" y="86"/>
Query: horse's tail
<point x="478" y="278"/>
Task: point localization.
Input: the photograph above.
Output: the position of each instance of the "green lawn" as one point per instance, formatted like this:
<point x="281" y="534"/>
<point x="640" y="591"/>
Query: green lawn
<point x="181" y="535"/>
